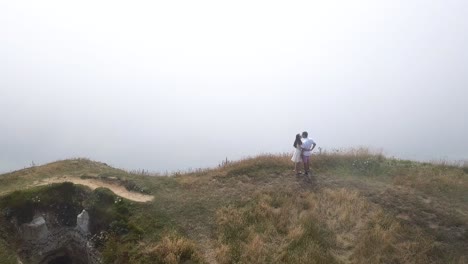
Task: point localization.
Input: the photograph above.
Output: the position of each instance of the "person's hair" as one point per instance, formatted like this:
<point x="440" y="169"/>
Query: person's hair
<point x="297" y="141"/>
<point x="305" y="134"/>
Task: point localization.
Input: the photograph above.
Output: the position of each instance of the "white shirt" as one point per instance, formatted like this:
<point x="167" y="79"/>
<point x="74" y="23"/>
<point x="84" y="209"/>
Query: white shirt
<point x="307" y="144"/>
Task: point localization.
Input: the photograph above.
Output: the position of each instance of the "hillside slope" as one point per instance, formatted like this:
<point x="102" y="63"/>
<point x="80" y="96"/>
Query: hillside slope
<point x="357" y="207"/>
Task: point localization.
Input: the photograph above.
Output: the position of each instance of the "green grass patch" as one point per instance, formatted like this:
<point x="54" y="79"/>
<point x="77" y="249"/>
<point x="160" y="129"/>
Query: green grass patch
<point x="63" y="199"/>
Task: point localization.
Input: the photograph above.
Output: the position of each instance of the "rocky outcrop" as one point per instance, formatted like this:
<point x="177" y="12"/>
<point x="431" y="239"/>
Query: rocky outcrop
<point x="36" y="230"/>
<point x="41" y="243"/>
<point x="82" y="221"/>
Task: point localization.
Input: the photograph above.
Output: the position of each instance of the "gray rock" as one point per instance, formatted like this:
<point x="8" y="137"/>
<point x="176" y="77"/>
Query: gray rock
<point x="35" y="230"/>
<point x="82" y="221"/>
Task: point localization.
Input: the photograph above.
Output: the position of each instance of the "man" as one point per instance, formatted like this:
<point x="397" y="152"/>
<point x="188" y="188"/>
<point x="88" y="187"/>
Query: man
<point x="308" y="146"/>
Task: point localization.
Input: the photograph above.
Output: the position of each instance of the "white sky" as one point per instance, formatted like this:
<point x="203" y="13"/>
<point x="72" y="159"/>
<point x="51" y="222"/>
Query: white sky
<point x="167" y="85"/>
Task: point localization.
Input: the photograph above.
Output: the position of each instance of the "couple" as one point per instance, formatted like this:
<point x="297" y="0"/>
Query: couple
<point x="304" y="147"/>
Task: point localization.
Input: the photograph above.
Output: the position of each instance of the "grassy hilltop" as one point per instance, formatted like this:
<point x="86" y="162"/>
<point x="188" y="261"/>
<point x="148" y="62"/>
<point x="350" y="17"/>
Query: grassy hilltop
<point x="358" y="207"/>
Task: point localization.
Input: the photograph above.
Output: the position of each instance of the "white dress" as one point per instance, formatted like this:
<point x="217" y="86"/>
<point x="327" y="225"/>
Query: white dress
<point x="297" y="154"/>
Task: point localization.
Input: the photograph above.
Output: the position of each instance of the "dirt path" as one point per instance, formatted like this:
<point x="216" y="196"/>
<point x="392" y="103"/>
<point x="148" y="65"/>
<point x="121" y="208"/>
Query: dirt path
<point x="95" y="183"/>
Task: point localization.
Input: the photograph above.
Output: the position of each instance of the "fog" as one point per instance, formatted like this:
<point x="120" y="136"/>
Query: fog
<point x="174" y="85"/>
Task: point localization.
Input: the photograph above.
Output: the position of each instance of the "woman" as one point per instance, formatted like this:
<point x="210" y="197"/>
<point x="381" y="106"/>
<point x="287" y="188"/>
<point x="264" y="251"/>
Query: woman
<point x="297" y="156"/>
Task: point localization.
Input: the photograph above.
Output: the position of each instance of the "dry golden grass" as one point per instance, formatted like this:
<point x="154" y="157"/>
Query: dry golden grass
<point x="171" y="249"/>
<point x="323" y="227"/>
<point x="361" y="208"/>
<point x="276" y="227"/>
<point x="439" y="181"/>
<point x="387" y="241"/>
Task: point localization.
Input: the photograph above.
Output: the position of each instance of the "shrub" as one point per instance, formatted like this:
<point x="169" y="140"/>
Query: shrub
<point x="110" y="213"/>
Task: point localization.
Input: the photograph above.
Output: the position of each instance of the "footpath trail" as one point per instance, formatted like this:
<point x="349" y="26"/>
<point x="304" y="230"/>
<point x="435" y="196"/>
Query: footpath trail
<point x="95" y="183"/>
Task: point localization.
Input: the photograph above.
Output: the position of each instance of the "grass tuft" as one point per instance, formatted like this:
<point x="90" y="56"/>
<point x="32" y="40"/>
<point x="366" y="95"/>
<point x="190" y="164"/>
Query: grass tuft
<point x="171" y="249"/>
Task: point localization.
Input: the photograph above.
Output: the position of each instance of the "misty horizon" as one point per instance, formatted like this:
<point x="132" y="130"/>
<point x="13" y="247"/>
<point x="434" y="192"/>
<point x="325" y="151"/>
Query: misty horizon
<point x="174" y="86"/>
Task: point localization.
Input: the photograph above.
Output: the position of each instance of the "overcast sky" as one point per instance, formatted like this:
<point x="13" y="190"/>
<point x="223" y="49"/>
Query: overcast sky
<point x="168" y="85"/>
